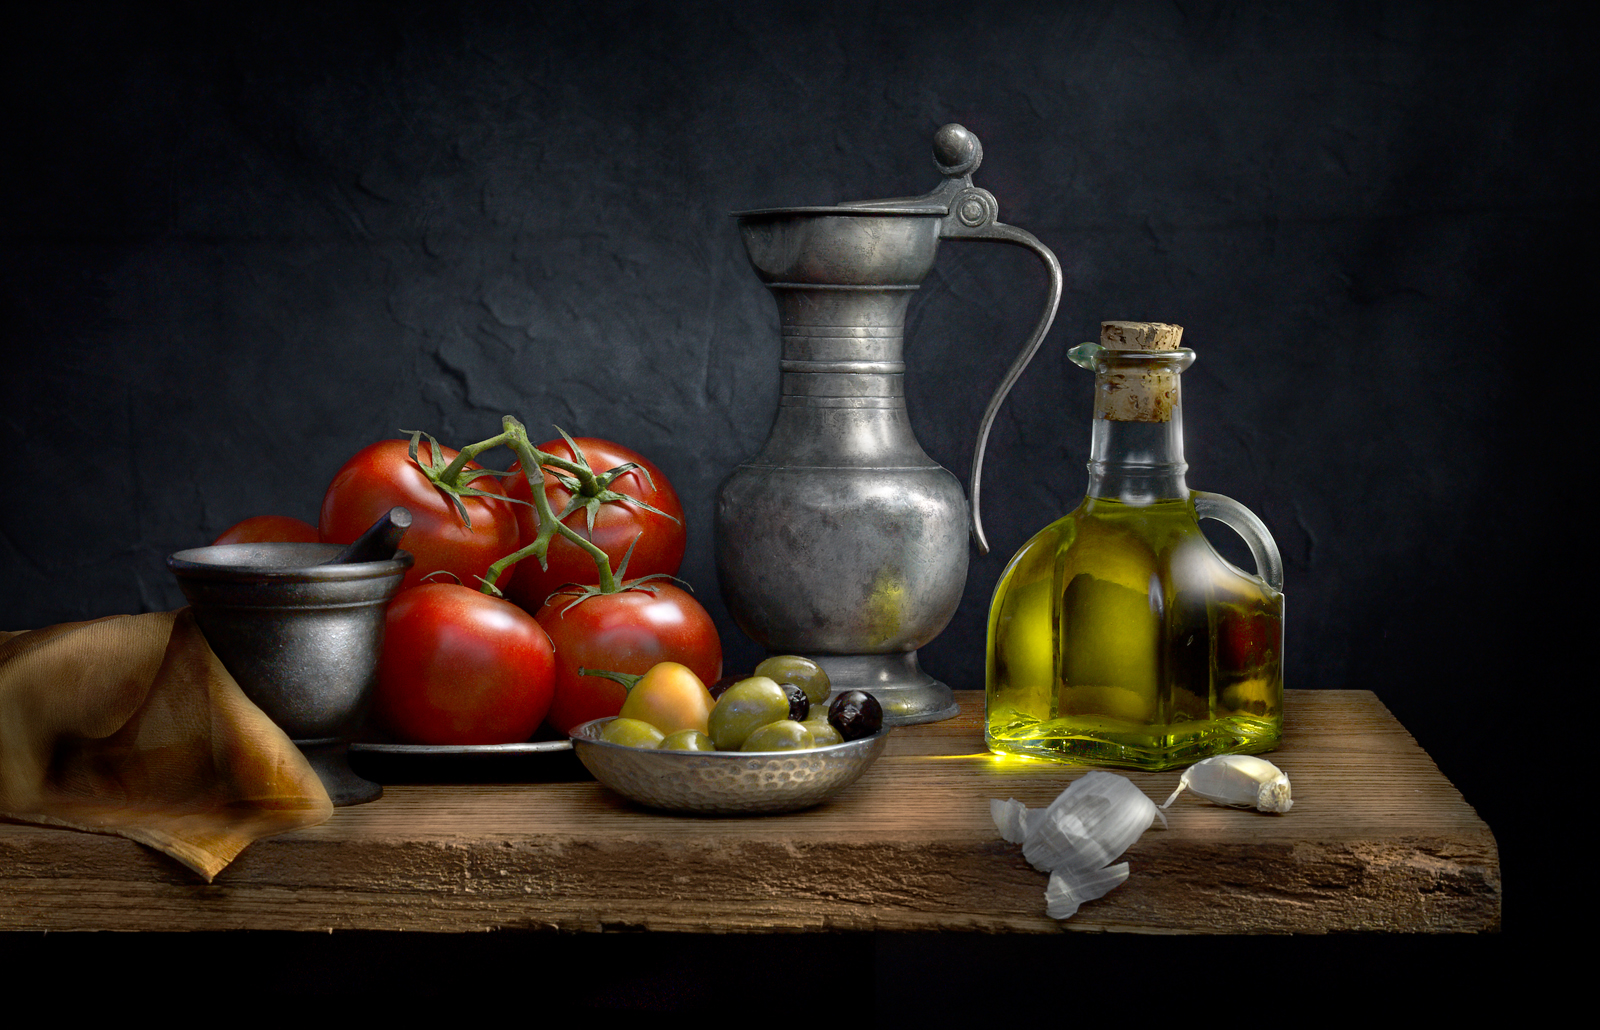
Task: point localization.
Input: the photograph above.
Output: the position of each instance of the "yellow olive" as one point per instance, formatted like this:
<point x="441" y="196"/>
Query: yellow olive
<point x="822" y="732"/>
<point x="783" y="735"/>
<point x="687" y="740"/>
<point x="631" y="733"/>
<point x="745" y="707"/>
<point x="801" y="672"/>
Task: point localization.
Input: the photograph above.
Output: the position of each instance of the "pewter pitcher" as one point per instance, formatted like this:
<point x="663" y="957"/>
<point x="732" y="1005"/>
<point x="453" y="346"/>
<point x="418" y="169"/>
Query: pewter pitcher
<point x="842" y="540"/>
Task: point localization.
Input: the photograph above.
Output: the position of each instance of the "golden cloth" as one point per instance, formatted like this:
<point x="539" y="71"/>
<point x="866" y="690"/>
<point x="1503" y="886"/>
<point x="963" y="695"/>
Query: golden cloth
<point x="130" y="725"/>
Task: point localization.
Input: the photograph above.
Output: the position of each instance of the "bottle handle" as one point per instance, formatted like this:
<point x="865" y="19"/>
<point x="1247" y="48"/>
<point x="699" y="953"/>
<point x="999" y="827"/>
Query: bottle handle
<point x="972" y="218"/>
<point x="1229" y="512"/>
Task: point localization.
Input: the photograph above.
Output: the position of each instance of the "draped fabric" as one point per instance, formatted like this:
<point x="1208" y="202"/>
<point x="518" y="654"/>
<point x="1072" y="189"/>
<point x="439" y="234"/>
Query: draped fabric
<point x="130" y="725"/>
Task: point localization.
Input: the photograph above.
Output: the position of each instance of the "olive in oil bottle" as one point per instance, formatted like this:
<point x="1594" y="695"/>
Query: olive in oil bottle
<point x="1117" y="635"/>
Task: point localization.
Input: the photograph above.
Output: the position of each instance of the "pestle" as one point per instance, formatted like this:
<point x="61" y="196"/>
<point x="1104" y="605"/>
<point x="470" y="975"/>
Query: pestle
<point x="378" y="543"/>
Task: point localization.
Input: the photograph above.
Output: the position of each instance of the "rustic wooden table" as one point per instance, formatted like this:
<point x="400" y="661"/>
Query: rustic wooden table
<point x="1378" y="841"/>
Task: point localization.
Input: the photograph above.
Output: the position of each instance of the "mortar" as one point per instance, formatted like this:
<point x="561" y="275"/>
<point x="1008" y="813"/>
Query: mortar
<point x="302" y="639"/>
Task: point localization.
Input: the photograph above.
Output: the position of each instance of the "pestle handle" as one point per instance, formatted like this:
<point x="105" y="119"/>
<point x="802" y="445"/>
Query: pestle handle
<point x="378" y="543"/>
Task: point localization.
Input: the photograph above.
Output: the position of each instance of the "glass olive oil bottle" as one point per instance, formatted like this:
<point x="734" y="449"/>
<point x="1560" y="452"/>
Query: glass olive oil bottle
<point x="1117" y="635"/>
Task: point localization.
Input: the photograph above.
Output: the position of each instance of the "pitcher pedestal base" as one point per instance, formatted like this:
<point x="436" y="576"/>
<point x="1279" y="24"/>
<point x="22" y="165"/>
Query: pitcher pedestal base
<point x="908" y="695"/>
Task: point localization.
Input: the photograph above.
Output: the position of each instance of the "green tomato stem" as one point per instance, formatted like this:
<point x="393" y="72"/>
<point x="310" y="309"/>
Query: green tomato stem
<point x="589" y="483"/>
<point x="628" y="680"/>
<point x="452" y="471"/>
<point x="533" y="460"/>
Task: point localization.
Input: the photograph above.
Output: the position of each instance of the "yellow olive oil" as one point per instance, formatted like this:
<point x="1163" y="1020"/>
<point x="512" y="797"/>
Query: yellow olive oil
<point x="1118" y="636"/>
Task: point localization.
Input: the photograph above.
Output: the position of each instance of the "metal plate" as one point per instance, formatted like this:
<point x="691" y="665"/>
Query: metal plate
<point x="534" y="747"/>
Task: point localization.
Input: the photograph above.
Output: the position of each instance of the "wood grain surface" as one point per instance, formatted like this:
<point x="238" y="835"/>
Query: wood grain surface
<point x="1378" y="840"/>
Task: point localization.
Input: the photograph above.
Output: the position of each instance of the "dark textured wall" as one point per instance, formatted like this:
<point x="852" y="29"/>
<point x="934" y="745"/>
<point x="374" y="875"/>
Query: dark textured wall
<point x="234" y="248"/>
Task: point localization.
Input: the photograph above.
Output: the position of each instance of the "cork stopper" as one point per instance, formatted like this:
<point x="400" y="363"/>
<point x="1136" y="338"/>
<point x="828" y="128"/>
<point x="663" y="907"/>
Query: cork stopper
<point x="1146" y="336"/>
<point x="1137" y="394"/>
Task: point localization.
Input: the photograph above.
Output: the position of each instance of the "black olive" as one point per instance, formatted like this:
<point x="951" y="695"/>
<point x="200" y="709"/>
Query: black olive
<point x="720" y="687"/>
<point x="799" y="704"/>
<point x="856" y="714"/>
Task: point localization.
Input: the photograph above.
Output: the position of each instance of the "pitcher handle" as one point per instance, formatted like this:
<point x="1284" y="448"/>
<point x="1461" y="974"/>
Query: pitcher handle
<point x="971" y="217"/>
<point x="971" y="213"/>
<point x="1229" y="512"/>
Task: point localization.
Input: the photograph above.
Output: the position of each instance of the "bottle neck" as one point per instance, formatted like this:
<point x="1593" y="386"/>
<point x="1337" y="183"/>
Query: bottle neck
<point x="1138" y="462"/>
<point x="1136" y="450"/>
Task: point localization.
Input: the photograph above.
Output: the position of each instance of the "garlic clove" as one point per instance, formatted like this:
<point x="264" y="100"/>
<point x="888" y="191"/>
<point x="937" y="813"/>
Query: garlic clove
<point x="1090" y="824"/>
<point x="1069" y="890"/>
<point x="1237" y="781"/>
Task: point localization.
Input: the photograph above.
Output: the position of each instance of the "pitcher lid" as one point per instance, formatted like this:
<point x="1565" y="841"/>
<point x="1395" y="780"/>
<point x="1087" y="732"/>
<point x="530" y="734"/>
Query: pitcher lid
<point x="840" y="209"/>
<point x="956" y="153"/>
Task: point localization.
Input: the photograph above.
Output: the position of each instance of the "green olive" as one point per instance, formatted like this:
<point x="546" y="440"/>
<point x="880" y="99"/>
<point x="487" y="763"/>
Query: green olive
<point x="745" y="707"/>
<point x="631" y="733"/>
<point x="783" y="735"/>
<point x="822" y="731"/>
<point x="687" y="740"/>
<point x="802" y="672"/>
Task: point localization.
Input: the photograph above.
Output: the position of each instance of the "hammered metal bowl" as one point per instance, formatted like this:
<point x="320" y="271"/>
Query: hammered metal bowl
<point x="725" y="782"/>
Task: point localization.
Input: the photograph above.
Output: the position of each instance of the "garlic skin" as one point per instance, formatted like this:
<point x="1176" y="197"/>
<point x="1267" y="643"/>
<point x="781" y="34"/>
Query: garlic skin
<point x="1237" y="781"/>
<point x="1010" y="818"/>
<point x="1068" y="891"/>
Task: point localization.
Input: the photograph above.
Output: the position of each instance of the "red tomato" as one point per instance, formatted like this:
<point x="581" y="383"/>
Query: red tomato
<point x="461" y="667"/>
<point x="628" y="631"/>
<point x="383" y="475"/>
<point x="616" y="524"/>
<point x="264" y="529"/>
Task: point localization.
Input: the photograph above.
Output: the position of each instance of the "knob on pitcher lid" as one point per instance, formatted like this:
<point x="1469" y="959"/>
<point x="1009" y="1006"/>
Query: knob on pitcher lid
<point x="956" y="151"/>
